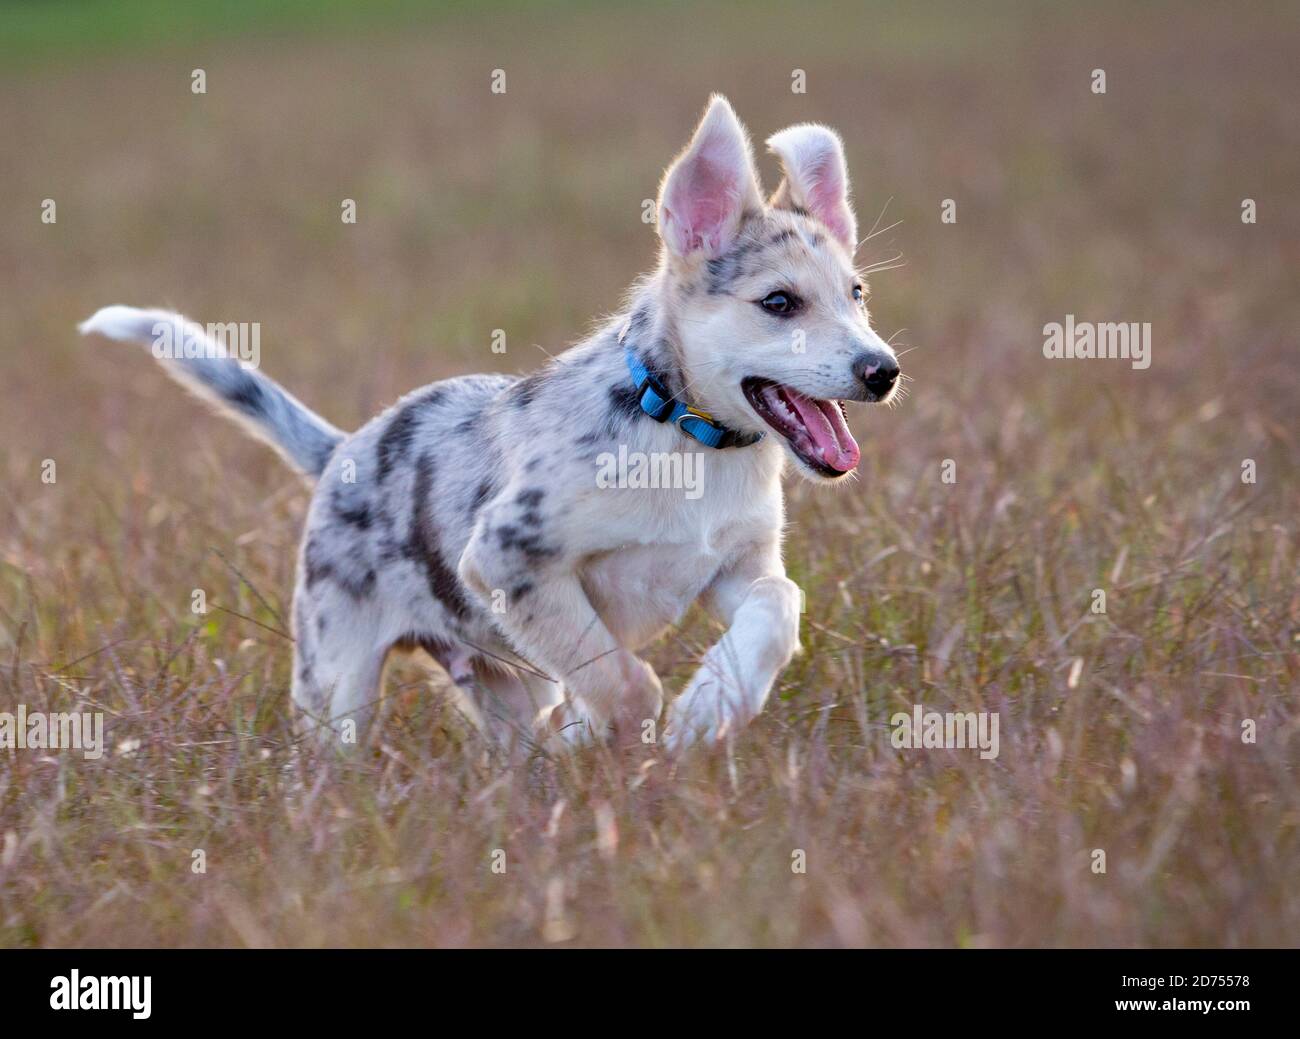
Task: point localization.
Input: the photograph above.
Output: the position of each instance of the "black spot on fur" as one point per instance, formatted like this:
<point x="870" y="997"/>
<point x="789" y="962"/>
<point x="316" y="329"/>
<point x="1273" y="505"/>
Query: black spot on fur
<point x="423" y="545"/>
<point x="319" y="568"/>
<point x="625" y="401"/>
<point x="481" y="494"/>
<point x="519" y="590"/>
<point x="728" y="268"/>
<point x="354" y="515"/>
<point x="395" y="441"/>
<point x="530" y="545"/>
<point x="636" y="323"/>
<point x="359" y="588"/>
<point x="531" y="498"/>
<point x="719" y="278"/>
<point x="248" y="395"/>
<point x="398" y="435"/>
<point x="525" y="390"/>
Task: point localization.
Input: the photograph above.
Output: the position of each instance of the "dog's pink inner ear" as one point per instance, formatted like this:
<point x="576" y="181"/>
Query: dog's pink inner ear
<point x="816" y="178"/>
<point x="709" y="188"/>
<point x="827" y="195"/>
<point x="701" y="204"/>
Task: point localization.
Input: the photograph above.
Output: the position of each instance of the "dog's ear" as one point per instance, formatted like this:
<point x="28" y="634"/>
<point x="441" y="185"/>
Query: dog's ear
<point x="711" y="186"/>
<point x="816" y="178"/>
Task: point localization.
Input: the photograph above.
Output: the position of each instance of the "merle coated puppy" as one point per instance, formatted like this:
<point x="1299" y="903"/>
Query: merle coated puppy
<point x="467" y="521"/>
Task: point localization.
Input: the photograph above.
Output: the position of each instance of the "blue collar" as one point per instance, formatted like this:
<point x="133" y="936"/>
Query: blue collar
<point x="660" y="405"/>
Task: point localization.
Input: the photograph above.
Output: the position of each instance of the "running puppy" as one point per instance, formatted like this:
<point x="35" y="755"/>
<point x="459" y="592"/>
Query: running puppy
<point x="468" y="520"/>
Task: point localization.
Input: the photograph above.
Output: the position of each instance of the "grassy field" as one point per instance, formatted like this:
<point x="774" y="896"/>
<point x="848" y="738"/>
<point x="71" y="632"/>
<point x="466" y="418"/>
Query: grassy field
<point x="1120" y="731"/>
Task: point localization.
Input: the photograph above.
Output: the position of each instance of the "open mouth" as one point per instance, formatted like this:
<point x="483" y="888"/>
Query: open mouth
<point x="815" y="429"/>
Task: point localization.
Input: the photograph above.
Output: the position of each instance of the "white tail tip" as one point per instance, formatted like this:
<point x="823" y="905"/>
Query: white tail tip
<point x="124" y="323"/>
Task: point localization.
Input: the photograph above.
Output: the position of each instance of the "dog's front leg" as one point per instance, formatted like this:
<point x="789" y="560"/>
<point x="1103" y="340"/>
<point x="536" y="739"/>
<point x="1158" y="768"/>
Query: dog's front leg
<point x="552" y="624"/>
<point x="735" y="677"/>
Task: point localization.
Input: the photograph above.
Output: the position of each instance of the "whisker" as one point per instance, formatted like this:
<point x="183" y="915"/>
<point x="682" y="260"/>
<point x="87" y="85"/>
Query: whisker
<point x="872" y="232"/>
<point x="881" y="263"/>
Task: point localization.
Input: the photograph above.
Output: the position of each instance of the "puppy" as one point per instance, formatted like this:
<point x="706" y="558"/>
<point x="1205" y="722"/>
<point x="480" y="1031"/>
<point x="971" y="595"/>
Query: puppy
<point x="507" y="526"/>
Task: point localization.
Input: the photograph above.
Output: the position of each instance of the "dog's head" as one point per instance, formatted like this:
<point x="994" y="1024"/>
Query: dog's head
<point x="769" y="309"/>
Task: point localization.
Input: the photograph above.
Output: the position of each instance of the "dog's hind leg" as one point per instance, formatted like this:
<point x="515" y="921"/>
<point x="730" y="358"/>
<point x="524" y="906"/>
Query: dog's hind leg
<point x="505" y="699"/>
<point x="337" y="671"/>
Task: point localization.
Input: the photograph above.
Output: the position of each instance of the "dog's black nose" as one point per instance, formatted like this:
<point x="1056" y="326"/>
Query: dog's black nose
<point x="877" y="372"/>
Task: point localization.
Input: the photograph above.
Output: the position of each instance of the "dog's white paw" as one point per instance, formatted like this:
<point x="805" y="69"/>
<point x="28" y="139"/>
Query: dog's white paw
<point x="706" y="712"/>
<point x="565" y="724"/>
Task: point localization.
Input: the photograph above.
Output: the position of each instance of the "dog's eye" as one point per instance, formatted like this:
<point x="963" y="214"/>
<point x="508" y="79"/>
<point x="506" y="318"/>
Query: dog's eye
<point x="857" y="294"/>
<point x="780" y="303"/>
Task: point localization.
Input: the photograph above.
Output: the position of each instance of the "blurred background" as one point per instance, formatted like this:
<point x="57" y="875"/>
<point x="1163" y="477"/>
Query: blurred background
<point x="521" y="211"/>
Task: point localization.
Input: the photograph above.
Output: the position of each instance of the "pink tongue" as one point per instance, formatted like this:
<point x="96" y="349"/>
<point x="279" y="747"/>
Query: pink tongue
<point x="825" y="424"/>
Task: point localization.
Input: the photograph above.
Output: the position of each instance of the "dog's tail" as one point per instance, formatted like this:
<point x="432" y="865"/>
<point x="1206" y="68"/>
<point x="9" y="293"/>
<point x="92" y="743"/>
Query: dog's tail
<point x="200" y="364"/>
